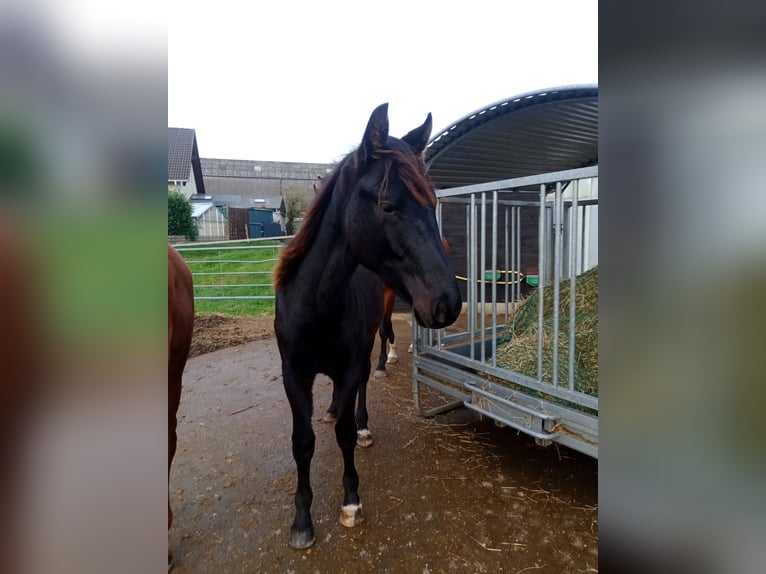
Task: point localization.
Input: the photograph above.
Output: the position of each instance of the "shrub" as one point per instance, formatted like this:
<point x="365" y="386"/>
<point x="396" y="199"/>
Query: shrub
<point x="180" y="221"/>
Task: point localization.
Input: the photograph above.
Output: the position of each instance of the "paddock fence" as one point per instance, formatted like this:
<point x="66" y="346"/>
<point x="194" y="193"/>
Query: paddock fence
<point x="233" y="271"/>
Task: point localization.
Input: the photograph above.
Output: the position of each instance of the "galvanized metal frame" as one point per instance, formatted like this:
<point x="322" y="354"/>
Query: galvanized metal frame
<point x="223" y="248"/>
<point x="463" y="364"/>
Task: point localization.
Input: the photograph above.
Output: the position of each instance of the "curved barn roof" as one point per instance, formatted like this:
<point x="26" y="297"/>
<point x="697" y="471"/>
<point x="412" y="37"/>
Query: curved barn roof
<point x="529" y="134"/>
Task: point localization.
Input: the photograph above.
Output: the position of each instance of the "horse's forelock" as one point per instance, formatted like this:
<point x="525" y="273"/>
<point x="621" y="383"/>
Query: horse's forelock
<point x="411" y="171"/>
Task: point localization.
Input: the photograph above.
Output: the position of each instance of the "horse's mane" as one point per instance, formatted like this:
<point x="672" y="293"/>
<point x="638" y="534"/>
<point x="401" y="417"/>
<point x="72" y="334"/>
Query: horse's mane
<point x="293" y="253"/>
<point x="410" y="169"/>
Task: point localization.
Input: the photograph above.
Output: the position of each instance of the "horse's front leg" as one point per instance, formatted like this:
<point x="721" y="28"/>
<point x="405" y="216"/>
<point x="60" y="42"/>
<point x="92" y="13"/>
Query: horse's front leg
<point x="345" y="434"/>
<point x="299" y="393"/>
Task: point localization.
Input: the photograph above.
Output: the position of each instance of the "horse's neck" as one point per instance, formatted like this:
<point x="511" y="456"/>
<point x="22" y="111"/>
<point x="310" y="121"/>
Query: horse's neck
<point x="329" y="265"/>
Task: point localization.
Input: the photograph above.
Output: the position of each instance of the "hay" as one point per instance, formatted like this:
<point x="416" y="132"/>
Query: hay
<point x="518" y="348"/>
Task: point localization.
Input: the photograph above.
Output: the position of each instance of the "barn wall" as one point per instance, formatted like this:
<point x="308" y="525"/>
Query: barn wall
<point x="259" y="180"/>
<point x="454" y="230"/>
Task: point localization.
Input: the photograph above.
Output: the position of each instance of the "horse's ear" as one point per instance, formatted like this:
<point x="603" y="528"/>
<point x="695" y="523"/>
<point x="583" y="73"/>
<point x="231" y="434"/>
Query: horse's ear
<point x="418" y="138"/>
<point x="376" y="134"/>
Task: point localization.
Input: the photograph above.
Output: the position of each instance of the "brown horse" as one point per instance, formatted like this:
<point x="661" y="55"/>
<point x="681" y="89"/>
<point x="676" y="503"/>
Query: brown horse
<point x="180" y="328"/>
<point x="23" y="358"/>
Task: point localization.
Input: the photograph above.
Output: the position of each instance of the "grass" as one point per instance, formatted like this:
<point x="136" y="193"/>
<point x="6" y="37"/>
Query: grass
<point x="222" y="272"/>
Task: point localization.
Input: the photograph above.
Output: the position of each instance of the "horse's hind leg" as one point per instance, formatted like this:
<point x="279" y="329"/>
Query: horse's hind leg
<point x="345" y="434"/>
<point x="363" y="434"/>
<point x="380" y="369"/>
<point x="332" y="411"/>
<point x="386" y="332"/>
<point x="392" y="356"/>
<point x="299" y="394"/>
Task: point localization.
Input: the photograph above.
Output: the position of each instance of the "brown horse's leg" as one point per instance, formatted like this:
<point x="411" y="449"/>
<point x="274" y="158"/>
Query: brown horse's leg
<point x="299" y="394"/>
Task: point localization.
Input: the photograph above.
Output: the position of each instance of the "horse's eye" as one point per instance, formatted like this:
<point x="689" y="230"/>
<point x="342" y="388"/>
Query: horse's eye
<point x="388" y="208"/>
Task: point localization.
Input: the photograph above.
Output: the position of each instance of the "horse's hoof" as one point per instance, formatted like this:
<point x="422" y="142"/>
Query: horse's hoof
<point x="364" y="438"/>
<point x="409" y="349"/>
<point x="392" y="360"/>
<point x="351" y="515"/>
<point x="329" y="418"/>
<point x="378" y="374"/>
<point x="302" y="540"/>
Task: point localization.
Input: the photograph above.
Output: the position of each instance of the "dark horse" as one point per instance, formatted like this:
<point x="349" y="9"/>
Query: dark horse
<point x="180" y="327"/>
<point x="372" y="221"/>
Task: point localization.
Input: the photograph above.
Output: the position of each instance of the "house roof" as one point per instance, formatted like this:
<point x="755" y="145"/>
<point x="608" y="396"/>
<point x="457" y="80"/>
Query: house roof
<point x="183" y="156"/>
<point x="180" y="145"/>
<point x="528" y="134"/>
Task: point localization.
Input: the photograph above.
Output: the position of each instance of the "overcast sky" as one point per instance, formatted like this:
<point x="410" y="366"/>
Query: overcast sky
<point x="296" y="81"/>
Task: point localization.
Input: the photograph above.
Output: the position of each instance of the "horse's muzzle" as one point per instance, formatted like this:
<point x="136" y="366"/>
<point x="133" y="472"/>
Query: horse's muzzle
<point x="446" y="310"/>
<point x="442" y="313"/>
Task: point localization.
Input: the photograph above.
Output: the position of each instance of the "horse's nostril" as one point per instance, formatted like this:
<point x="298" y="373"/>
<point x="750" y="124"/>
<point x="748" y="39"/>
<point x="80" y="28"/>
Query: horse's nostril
<point x="440" y="311"/>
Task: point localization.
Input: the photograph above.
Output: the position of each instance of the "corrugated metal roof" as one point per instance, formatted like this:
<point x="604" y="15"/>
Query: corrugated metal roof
<point x="533" y="133"/>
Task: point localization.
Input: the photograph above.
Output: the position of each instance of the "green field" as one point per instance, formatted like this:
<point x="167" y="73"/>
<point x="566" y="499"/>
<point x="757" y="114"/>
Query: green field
<point x="222" y="272"/>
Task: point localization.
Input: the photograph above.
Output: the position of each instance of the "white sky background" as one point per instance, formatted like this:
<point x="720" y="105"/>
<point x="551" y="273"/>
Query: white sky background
<point x="296" y="80"/>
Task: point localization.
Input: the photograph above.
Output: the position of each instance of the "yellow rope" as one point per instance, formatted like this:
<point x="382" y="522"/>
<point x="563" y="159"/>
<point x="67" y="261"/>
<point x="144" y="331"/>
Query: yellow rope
<point x="519" y="280"/>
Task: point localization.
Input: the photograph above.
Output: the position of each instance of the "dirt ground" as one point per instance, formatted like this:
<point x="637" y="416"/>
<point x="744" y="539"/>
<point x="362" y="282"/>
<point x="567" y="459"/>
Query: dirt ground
<point x="214" y="331"/>
<point x="449" y="494"/>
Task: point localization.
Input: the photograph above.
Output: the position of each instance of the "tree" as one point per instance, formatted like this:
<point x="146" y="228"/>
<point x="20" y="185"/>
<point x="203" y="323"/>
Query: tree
<point x="296" y="205"/>
<point x="180" y="221"/>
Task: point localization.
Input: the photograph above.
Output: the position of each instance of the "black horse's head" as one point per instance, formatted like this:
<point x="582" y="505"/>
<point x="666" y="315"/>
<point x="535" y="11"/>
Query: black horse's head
<point x="390" y="221"/>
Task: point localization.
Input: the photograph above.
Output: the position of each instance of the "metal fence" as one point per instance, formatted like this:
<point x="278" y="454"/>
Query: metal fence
<point x="462" y="361"/>
<point x="232" y="271"/>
